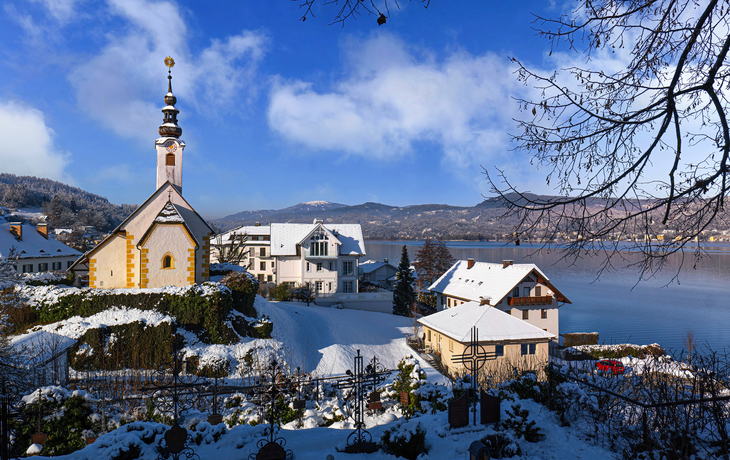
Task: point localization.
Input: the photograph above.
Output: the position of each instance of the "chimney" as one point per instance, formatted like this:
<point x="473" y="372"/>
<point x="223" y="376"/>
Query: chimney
<point x="385" y="261"/>
<point x="484" y="300"/>
<point x="16" y="228"/>
<point x="507" y="263"/>
<point x="43" y="230"/>
<point x="469" y="263"/>
<point x="257" y="224"/>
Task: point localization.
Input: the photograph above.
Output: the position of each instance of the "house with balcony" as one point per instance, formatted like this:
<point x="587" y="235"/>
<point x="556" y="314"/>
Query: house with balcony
<point x="324" y="255"/>
<point x="521" y="290"/>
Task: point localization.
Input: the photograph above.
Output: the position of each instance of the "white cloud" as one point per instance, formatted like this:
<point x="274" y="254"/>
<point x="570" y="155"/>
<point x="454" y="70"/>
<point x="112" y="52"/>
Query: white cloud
<point x="393" y="96"/>
<point x="61" y="10"/>
<point x="116" y="86"/>
<point x="27" y="147"/>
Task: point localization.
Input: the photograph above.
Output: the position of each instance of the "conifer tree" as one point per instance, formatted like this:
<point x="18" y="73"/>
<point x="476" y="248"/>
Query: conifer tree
<point x="404" y="296"/>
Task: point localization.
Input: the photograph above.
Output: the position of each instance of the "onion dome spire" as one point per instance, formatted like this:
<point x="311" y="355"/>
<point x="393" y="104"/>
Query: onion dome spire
<point x="169" y="127"/>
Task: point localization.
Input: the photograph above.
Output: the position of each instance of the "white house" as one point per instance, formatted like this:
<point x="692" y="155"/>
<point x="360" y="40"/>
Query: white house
<point x="36" y="251"/>
<point x="258" y="261"/>
<point x="324" y="255"/>
<point x="522" y="290"/>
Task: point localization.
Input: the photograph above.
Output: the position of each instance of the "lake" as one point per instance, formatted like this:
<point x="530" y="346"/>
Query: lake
<point x="615" y="306"/>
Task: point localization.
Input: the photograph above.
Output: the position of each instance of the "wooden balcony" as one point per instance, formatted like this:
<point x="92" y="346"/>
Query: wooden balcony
<point x="527" y="301"/>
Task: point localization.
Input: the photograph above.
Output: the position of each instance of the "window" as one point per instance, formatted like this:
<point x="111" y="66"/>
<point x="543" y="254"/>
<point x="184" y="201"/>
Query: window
<point x="43" y="267"/>
<point x="170" y="159"/>
<point x="347" y="267"/>
<point x="307" y="266"/>
<point x="269" y="278"/>
<point x="27" y="268"/>
<point x="261" y="277"/>
<point x="56" y="265"/>
<point x="449" y="302"/>
<point x="69" y="263"/>
<point x="167" y="261"/>
<point x="516" y="292"/>
<point x="319" y="266"/>
<point x="429" y="334"/>
<point x="263" y="265"/>
<point x="347" y="287"/>
<point x="528" y="349"/>
<point x="329" y="287"/>
<point x="499" y="350"/>
<point x="543" y="313"/>
<point x="525" y="314"/>
<point x="451" y="345"/>
<point x="330" y="266"/>
<point x="526" y="292"/>
<point x="262" y="252"/>
<point x="537" y="291"/>
<point x="318" y="286"/>
<point x="318" y="244"/>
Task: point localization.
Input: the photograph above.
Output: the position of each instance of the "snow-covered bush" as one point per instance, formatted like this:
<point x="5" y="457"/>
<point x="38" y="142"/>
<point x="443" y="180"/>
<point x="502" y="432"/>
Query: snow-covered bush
<point x="64" y="416"/>
<point x="520" y="425"/>
<point x="502" y="444"/>
<point x="410" y="377"/>
<point x="244" y="287"/>
<point x="406" y="439"/>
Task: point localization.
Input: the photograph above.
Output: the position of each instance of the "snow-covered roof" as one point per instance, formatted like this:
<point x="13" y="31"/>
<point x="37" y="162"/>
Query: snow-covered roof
<point x="285" y="237"/>
<point x="493" y="324"/>
<point x="371" y="266"/>
<point x="33" y="244"/>
<point x="248" y="230"/>
<point x="41" y="346"/>
<point x="487" y="280"/>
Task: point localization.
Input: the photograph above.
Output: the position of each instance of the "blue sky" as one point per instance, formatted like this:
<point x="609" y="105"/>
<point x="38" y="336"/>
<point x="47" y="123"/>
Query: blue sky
<point x="274" y="111"/>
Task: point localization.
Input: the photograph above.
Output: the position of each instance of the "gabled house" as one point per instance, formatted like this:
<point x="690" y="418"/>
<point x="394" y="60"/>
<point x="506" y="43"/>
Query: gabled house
<point x="324" y="255"/>
<point x="507" y="340"/>
<point x="35" y="250"/>
<point x="521" y="290"/>
<point x="258" y="260"/>
<point x="381" y="273"/>
<point x="164" y="241"/>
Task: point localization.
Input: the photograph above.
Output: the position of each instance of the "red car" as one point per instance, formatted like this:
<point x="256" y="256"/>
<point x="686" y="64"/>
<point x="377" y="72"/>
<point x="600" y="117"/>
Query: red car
<point x="610" y="365"/>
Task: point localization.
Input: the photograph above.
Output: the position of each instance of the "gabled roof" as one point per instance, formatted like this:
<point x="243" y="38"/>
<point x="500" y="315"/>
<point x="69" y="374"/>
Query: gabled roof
<point x="286" y="237"/>
<point x="493" y="324"/>
<point x="169" y="214"/>
<point x="248" y="230"/>
<point x="33" y="244"/>
<point x="488" y="281"/>
<point x="371" y="266"/>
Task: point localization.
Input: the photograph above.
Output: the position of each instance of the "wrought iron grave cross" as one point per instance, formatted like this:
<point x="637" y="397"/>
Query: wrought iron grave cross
<point x="473" y="359"/>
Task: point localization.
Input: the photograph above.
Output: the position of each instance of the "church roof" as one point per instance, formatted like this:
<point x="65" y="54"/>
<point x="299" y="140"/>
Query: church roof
<point x="169" y="214"/>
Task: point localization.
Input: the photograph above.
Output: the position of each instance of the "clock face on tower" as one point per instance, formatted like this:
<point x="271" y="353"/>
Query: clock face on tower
<point x="171" y="146"/>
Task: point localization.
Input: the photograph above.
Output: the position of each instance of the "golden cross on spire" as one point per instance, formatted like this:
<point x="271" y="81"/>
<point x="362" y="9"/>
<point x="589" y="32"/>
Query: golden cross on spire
<point x="169" y="62"/>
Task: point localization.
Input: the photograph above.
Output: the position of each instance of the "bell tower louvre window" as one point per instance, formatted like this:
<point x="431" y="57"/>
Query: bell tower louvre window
<point x="170" y="159"/>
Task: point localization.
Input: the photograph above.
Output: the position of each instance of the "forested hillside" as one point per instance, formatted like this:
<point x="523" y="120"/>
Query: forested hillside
<point x="64" y="205"/>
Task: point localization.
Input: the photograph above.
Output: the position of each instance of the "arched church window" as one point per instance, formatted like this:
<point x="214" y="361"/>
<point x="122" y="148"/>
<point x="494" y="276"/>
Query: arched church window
<point x="170" y="159"/>
<point x="167" y="261"/>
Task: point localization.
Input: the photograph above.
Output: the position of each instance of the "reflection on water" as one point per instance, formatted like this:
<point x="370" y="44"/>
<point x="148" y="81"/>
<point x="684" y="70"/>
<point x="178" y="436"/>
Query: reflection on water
<point x="615" y="306"/>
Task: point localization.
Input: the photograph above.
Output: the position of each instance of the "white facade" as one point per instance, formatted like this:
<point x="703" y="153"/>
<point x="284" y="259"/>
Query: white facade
<point x="258" y="261"/>
<point x="324" y="255"/>
<point x="522" y="290"/>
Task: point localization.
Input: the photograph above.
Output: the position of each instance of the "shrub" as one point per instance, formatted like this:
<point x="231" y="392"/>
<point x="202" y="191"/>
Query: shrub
<point x="243" y="287"/>
<point x="502" y="445"/>
<point x="282" y="292"/>
<point x="134" y="345"/>
<point x="409" y="378"/>
<point x="517" y="422"/>
<point x="405" y="440"/>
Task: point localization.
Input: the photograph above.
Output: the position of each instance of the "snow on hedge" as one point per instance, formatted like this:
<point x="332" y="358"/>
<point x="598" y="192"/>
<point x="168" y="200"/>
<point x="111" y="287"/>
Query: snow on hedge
<point x="76" y="326"/>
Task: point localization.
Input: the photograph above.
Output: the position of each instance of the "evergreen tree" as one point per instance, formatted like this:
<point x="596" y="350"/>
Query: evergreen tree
<point x="403" y="296"/>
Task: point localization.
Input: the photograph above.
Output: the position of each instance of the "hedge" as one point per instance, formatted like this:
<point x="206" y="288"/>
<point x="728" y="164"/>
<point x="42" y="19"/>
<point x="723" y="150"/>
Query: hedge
<point x="195" y="308"/>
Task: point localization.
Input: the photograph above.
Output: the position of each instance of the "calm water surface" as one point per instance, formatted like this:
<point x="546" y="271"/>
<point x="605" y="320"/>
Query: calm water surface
<point x="615" y="306"/>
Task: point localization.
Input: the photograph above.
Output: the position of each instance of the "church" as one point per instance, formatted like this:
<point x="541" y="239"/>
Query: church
<point x="164" y="242"/>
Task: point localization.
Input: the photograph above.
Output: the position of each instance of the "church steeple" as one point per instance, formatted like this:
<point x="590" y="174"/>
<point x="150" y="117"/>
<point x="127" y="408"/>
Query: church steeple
<point x="169" y="146"/>
<point x="169" y="126"/>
